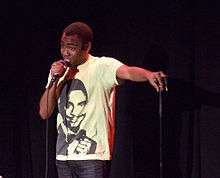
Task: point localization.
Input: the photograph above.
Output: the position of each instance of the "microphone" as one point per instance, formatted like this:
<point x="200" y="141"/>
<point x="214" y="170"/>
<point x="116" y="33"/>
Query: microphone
<point x="54" y="78"/>
<point x="65" y="62"/>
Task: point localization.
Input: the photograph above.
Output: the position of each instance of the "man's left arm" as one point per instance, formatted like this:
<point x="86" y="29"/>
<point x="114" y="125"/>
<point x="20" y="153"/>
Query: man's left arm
<point x="138" y="74"/>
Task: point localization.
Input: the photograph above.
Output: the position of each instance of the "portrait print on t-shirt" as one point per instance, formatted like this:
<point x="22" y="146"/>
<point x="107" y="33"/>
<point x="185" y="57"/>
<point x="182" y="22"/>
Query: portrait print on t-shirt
<point x="72" y="138"/>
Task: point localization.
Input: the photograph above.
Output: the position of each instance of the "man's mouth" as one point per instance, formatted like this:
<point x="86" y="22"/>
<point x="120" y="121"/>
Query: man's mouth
<point x="75" y="119"/>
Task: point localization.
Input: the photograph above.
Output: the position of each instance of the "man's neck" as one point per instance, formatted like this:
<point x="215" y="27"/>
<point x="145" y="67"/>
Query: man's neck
<point x="85" y="58"/>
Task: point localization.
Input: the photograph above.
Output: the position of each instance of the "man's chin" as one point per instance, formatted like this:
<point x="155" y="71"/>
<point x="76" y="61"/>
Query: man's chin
<point x="74" y="62"/>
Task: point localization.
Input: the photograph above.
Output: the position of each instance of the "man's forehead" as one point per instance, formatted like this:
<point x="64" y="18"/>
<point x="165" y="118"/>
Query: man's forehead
<point x="78" y="94"/>
<point x="73" y="37"/>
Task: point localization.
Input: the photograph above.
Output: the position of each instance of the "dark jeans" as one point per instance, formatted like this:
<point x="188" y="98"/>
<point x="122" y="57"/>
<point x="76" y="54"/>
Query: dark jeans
<point x="83" y="169"/>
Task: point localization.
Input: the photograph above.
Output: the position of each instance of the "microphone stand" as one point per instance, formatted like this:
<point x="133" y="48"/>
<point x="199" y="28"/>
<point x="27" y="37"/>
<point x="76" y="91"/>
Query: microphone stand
<point x="161" y="133"/>
<point x="160" y="111"/>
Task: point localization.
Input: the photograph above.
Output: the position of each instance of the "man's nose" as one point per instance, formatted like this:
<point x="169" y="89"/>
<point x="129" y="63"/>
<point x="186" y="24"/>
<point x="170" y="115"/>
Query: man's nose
<point x="66" y="52"/>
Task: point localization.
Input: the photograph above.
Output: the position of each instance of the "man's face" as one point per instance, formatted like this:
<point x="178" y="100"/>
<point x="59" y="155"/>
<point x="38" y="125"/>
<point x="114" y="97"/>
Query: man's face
<point x="74" y="108"/>
<point x="71" y="49"/>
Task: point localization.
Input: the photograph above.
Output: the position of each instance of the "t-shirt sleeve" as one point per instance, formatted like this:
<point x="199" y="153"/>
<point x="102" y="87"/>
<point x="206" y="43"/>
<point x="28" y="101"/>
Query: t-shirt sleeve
<point x="48" y="80"/>
<point x="108" y="67"/>
<point x="60" y="80"/>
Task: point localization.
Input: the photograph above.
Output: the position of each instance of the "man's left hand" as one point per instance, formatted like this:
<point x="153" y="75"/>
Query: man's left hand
<point x="157" y="80"/>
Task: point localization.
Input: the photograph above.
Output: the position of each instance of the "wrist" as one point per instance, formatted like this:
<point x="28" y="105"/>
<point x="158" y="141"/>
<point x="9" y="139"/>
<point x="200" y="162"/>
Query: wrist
<point x="148" y="74"/>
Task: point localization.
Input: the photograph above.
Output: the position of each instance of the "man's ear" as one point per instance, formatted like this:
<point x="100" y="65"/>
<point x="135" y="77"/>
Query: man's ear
<point x="87" y="46"/>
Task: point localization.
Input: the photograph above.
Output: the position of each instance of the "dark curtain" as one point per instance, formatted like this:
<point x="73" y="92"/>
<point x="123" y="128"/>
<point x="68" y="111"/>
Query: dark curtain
<point x="178" y="37"/>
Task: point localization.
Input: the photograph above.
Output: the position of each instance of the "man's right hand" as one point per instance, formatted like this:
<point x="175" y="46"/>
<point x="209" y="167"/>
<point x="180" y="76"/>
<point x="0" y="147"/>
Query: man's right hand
<point x="58" y="68"/>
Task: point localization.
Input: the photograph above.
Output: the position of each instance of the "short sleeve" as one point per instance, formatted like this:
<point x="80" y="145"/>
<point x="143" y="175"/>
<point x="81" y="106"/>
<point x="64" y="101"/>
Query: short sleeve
<point x="48" y="80"/>
<point x="108" y="68"/>
<point x="60" y="80"/>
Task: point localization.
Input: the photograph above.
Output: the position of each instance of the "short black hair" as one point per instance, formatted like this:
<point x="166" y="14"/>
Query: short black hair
<point x="77" y="84"/>
<point x="81" y="29"/>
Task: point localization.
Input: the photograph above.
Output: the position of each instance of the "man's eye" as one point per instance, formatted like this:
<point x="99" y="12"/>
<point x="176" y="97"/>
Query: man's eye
<point x="68" y="47"/>
<point x="83" y="103"/>
<point x="73" y="49"/>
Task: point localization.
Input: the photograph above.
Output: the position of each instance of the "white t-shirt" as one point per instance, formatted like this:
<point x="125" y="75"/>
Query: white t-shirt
<point x="85" y="122"/>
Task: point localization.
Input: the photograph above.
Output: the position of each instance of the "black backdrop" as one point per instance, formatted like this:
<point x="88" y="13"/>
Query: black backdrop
<point x="179" y="37"/>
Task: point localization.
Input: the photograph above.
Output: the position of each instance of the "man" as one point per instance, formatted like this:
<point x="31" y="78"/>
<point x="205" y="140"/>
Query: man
<point x="83" y="87"/>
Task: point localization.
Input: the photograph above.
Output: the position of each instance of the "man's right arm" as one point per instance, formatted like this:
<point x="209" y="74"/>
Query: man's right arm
<point x="48" y="101"/>
<point x="49" y="98"/>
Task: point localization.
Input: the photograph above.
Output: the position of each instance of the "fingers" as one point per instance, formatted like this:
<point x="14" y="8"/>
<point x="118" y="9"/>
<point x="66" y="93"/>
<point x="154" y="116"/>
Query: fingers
<point x="162" y="74"/>
<point x="163" y="80"/>
<point x="158" y="81"/>
<point x="58" y="68"/>
<point x="153" y="82"/>
<point x="84" y="146"/>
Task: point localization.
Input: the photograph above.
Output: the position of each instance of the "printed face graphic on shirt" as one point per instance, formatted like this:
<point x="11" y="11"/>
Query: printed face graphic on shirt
<point x="73" y="100"/>
<point x="74" y="109"/>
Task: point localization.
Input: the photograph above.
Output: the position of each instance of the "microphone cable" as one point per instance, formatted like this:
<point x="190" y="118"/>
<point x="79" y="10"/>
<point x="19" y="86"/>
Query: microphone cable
<point x="160" y="111"/>
<point x="46" y="139"/>
<point x="47" y="132"/>
<point x="54" y="78"/>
